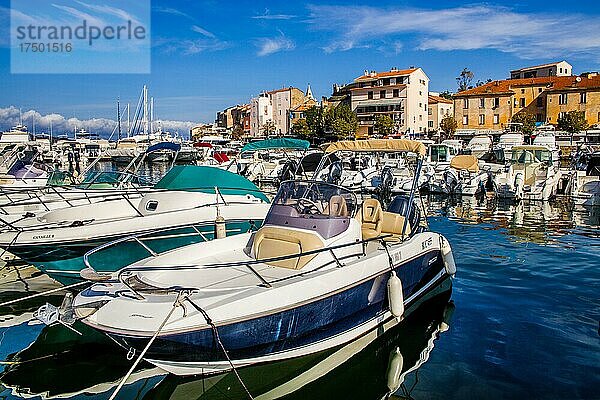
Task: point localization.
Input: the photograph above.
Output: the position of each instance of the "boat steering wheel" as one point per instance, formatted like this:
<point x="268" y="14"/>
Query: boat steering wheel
<point x="308" y="206"/>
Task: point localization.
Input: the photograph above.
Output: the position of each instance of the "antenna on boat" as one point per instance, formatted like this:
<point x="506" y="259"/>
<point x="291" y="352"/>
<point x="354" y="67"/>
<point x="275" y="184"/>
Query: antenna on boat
<point x="220" y="230"/>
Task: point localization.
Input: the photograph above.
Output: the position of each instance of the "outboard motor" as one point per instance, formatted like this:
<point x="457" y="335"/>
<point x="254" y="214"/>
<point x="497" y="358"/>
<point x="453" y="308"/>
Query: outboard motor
<point x="383" y="185"/>
<point x="335" y="173"/>
<point x="450" y="181"/>
<point x="288" y="172"/>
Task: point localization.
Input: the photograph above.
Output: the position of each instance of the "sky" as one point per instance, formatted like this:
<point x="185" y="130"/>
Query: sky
<point x="207" y="55"/>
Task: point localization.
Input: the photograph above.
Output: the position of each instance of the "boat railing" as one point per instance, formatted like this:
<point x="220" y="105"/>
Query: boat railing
<point x="194" y="229"/>
<point x="126" y="275"/>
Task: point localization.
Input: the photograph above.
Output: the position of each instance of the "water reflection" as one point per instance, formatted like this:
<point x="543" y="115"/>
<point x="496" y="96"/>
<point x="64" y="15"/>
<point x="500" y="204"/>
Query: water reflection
<point x="60" y="363"/>
<point x="525" y="221"/>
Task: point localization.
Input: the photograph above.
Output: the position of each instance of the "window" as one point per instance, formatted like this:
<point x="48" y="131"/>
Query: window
<point x="562" y="98"/>
<point x="561" y="115"/>
<point x="396" y="92"/>
<point x="386" y="81"/>
<point x="482" y="103"/>
<point x="496" y="119"/>
<point x="522" y="102"/>
<point x="497" y="102"/>
<point x="420" y="105"/>
<point x="551" y="72"/>
<point x="540" y="101"/>
<point x="420" y="117"/>
<point x="465" y="120"/>
<point x="583" y="97"/>
<point x="522" y="91"/>
<point x="465" y="103"/>
<point x="540" y="90"/>
<point x="561" y="70"/>
<point x="599" y="117"/>
<point x="481" y="119"/>
<point x="382" y="94"/>
<point x="539" y="117"/>
<point x="370" y="95"/>
<point x="430" y="124"/>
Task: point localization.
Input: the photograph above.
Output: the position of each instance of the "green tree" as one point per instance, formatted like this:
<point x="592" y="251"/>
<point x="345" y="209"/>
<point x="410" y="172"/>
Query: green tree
<point x="300" y="128"/>
<point x="314" y="120"/>
<point x="341" y="121"/>
<point x="446" y="95"/>
<point x="268" y="128"/>
<point x="448" y="126"/>
<point x="464" y="79"/>
<point x="384" y="125"/>
<point x="573" y="122"/>
<point x="528" y="121"/>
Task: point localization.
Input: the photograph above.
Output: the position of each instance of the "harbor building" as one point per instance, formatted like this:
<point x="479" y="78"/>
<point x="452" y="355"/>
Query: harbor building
<point x="490" y="107"/>
<point x="275" y="106"/>
<point x="560" y="68"/>
<point x="401" y="94"/>
<point x="439" y="108"/>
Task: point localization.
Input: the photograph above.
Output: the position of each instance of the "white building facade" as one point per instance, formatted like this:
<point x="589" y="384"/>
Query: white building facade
<point x="261" y="111"/>
<point x="401" y="94"/>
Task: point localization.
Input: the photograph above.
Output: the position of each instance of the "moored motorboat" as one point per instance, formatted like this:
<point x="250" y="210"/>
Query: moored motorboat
<point x="56" y="241"/>
<point x="322" y="270"/>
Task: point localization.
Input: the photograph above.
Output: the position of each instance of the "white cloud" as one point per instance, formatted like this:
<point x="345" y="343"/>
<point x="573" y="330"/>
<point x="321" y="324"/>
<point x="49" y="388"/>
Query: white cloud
<point x="190" y="46"/>
<point x="116" y="12"/>
<point x="267" y="46"/>
<point x="203" y="31"/>
<point x="268" y="16"/>
<point x="527" y="35"/>
<point x="10" y="116"/>
<point x="172" y="11"/>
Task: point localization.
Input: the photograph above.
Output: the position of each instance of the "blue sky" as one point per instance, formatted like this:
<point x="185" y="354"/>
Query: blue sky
<point x="207" y="55"/>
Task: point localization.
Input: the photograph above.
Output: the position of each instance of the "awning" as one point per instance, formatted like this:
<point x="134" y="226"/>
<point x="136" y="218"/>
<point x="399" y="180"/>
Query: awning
<point x="281" y="143"/>
<point x="193" y="178"/>
<point x="387" y="145"/>
<point x="164" y="146"/>
<point x="465" y="162"/>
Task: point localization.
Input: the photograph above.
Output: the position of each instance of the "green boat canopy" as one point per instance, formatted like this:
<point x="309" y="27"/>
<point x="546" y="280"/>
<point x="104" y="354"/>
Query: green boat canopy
<point x="204" y="179"/>
<point x="281" y="143"/>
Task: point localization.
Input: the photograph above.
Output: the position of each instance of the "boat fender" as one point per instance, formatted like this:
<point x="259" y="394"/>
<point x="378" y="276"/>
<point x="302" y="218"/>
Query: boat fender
<point x="447" y="256"/>
<point x="394" y="370"/>
<point x="220" y="231"/>
<point x="395" y="295"/>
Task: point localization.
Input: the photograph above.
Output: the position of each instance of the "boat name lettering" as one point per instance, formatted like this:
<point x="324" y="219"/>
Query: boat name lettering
<point x="49" y="236"/>
<point x="426" y="243"/>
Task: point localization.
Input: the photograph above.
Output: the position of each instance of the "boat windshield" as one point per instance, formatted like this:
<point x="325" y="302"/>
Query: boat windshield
<point x="312" y="205"/>
<point x="526" y="156"/>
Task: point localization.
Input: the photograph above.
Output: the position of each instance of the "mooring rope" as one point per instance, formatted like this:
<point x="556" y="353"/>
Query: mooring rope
<point x="143" y="353"/>
<point x="6" y="303"/>
<point x="218" y="340"/>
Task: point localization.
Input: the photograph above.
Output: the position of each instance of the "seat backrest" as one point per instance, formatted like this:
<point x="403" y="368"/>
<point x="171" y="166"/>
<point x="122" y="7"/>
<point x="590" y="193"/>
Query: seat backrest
<point x="337" y="207"/>
<point x="370" y="217"/>
<point x="393" y="224"/>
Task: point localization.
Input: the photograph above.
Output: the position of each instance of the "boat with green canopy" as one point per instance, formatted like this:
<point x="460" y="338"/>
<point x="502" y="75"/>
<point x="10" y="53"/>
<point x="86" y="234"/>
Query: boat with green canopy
<point x="182" y="209"/>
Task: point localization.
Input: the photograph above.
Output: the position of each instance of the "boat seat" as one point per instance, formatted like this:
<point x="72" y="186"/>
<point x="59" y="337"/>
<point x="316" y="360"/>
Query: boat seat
<point x="370" y="217"/>
<point x="273" y="241"/>
<point x="336" y="207"/>
<point x="392" y="225"/>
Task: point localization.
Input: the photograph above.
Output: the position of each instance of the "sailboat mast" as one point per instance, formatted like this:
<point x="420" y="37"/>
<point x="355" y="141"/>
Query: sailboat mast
<point x="128" y="121"/>
<point x="119" y="117"/>
<point x="146" y="111"/>
<point x="151" y="113"/>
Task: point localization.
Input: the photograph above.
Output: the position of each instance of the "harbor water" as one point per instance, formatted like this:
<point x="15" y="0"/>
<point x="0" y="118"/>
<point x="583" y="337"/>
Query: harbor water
<point x="520" y="320"/>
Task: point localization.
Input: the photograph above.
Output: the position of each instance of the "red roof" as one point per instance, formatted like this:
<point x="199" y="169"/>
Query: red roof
<point x="438" y="99"/>
<point x="386" y="74"/>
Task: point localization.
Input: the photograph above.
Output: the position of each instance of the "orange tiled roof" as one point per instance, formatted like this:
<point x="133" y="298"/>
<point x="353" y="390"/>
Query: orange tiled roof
<point x="439" y="99"/>
<point x="386" y="74"/>
<point x="576" y="82"/>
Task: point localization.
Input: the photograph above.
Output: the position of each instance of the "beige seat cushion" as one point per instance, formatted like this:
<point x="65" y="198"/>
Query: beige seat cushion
<point x="393" y="224"/>
<point x="272" y="241"/>
<point x="370" y="217"/>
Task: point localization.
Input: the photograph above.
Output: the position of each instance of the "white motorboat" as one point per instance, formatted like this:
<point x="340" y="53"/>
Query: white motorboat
<point x="56" y="241"/>
<point x="531" y="174"/>
<point x="463" y="177"/>
<point x="323" y="270"/>
<point x="506" y="142"/>
<point x="586" y="181"/>
<point x="479" y="145"/>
